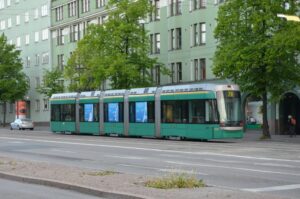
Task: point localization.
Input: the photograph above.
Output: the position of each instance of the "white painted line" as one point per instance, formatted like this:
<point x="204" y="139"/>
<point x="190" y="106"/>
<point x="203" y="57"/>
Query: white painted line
<point x="222" y="161"/>
<point x="276" y="188"/>
<point x="62" y="151"/>
<point x="250" y="157"/>
<point x="15" y="142"/>
<point x="125" y="157"/>
<point x="233" y="168"/>
<point x="275" y="165"/>
<point x="183" y="171"/>
<point x="138" y="166"/>
<point x="149" y="149"/>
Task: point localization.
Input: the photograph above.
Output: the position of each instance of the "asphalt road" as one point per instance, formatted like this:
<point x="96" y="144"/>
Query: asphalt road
<point x="17" y="190"/>
<point x="255" y="166"/>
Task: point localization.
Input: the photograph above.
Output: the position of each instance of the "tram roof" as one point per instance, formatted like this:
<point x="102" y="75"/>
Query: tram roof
<point x="151" y="90"/>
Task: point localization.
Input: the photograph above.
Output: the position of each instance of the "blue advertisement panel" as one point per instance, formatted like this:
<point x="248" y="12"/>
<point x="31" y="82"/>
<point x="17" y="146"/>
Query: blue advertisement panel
<point x="113" y="112"/>
<point x="141" y="112"/>
<point x="88" y="113"/>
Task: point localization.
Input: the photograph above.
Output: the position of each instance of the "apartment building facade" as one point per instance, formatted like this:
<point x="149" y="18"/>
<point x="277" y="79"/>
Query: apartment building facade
<point x="69" y="22"/>
<point x="26" y="25"/>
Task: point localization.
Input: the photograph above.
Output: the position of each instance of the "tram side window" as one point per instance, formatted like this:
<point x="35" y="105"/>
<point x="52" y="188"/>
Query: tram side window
<point x="68" y="112"/>
<point x="175" y="111"/>
<point x="141" y="112"/>
<point x="113" y="112"/>
<point x="89" y="112"/>
<point x="190" y="111"/>
<point x="55" y="112"/>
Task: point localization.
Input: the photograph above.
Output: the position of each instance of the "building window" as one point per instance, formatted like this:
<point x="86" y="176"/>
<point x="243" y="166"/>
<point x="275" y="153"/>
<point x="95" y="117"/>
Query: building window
<point x="59" y="13"/>
<point x="18" y="20"/>
<point x="198" y="32"/>
<point x="60" y="61"/>
<point x="36" y="13"/>
<point x="72" y="8"/>
<point x="37" y="105"/>
<point x="155" y="15"/>
<point x="175" y="39"/>
<point x="8" y="3"/>
<point x="60" y="37"/>
<point x="1" y="4"/>
<point x="157" y="43"/>
<point x="46" y="104"/>
<point x="9" y="23"/>
<point x="203" y="69"/>
<point x="175" y="7"/>
<point x="26" y="17"/>
<point x="202" y="33"/>
<point x="151" y="43"/>
<point x="38" y="82"/>
<point x="45" y="58"/>
<point x="45" y="34"/>
<point x="74" y="33"/>
<point x="36" y="37"/>
<point x="27" y="39"/>
<point x="37" y="59"/>
<point x="18" y="44"/>
<point x="196" y="69"/>
<point x="155" y="74"/>
<point x="44" y="10"/>
<point x="27" y="61"/>
<point x="85" y="5"/>
<point x="100" y="3"/>
<point x="176" y="69"/>
<point x="199" y="69"/>
<point x="2" y="25"/>
<point x="198" y="4"/>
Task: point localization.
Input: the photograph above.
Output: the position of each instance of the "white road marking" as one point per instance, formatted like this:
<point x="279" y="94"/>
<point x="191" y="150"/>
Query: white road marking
<point x="275" y="188"/>
<point x="62" y="151"/>
<point x="138" y="166"/>
<point x="15" y="142"/>
<point x="183" y="171"/>
<point x="163" y="170"/>
<point x="275" y="165"/>
<point x="150" y="149"/>
<point x="125" y="157"/>
<point x="231" y="167"/>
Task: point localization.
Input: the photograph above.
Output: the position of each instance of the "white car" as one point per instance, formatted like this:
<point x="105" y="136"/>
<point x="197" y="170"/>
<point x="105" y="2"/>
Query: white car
<point x="21" y="124"/>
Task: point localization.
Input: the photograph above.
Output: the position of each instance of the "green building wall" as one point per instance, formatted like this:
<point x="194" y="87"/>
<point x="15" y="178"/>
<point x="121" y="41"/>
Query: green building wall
<point x="37" y="104"/>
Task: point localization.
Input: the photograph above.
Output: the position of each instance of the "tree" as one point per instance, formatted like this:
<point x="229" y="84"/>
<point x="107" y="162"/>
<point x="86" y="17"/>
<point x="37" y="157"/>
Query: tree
<point x="13" y="82"/>
<point x="51" y="83"/>
<point x="117" y="50"/>
<point x="258" y="50"/>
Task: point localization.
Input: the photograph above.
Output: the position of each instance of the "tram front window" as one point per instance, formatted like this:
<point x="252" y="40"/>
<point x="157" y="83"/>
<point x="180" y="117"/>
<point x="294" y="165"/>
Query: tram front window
<point x="229" y="103"/>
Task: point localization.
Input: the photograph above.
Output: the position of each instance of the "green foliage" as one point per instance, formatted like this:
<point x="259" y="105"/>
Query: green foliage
<point x="256" y="49"/>
<point x="51" y="83"/>
<point x="175" y="181"/>
<point x="116" y="51"/>
<point x="13" y="82"/>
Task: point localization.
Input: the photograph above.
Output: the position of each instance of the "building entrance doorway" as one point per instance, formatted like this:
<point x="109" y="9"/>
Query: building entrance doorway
<point x="289" y="105"/>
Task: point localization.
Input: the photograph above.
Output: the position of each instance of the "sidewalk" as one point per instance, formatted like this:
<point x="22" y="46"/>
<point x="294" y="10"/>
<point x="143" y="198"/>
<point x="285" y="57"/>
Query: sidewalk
<point x="254" y="135"/>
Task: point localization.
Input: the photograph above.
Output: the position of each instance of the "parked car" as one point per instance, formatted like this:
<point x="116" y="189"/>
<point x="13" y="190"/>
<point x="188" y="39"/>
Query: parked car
<point x="21" y="124"/>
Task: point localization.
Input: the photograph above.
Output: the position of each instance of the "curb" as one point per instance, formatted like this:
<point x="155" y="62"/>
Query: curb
<point x="66" y="186"/>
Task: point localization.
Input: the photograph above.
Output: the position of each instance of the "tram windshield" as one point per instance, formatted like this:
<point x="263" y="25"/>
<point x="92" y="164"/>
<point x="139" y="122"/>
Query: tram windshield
<point x="229" y="104"/>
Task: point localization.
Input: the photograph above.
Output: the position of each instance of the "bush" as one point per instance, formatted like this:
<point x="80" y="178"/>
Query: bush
<point x="175" y="181"/>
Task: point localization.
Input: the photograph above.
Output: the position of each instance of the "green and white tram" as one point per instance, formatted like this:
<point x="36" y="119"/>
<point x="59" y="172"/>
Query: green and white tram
<point x="193" y="111"/>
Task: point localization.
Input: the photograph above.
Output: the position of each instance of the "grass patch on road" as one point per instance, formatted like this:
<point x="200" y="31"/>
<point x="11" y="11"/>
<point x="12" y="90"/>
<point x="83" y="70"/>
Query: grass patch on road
<point x="175" y="181"/>
<point x="100" y="173"/>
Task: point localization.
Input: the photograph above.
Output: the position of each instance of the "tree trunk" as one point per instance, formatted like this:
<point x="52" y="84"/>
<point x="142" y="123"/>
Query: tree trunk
<point x="4" y="114"/>
<point x="266" y="131"/>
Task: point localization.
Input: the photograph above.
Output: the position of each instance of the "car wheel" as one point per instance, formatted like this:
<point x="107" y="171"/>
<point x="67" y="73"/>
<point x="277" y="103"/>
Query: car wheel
<point x="31" y="129"/>
<point x="11" y="128"/>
